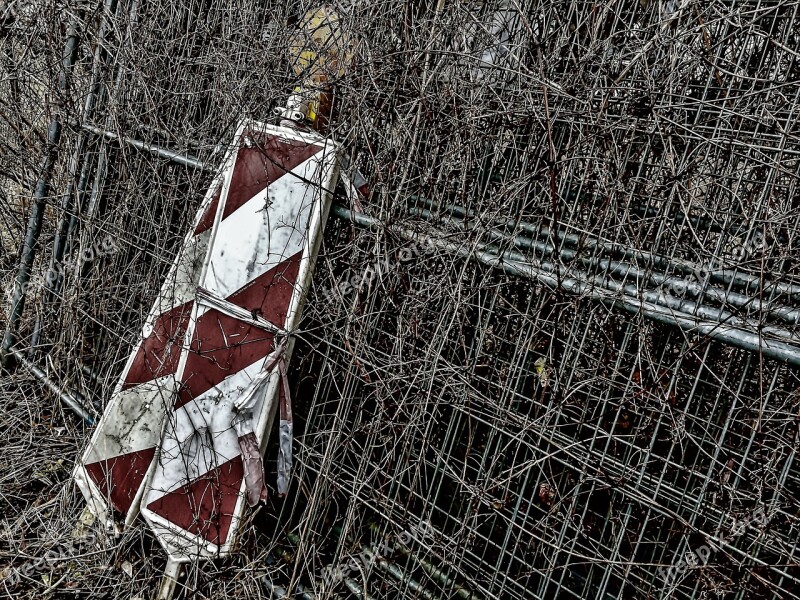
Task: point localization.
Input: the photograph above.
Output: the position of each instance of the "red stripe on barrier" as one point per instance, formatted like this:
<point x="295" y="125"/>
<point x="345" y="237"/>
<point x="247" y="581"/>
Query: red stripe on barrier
<point x="223" y="345"/>
<point x="204" y="506"/>
<point x="271" y="293"/>
<point x="207" y="220"/>
<point x="160" y="352"/>
<point x="267" y="160"/>
<point x="119" y="478"/>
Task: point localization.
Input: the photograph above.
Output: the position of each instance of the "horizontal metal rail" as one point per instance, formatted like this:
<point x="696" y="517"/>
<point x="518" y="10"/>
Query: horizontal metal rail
<point x="68" y="398"/>
<point x="752" y="305"/>
<point x="726" y="275"/>
<point x="628" y="298"/>
<point x="689" y="316"/>
<point x="158" y="151"/>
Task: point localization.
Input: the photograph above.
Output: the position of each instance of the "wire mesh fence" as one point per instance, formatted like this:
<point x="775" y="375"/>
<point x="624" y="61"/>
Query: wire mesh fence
<point x="563" y="364"/>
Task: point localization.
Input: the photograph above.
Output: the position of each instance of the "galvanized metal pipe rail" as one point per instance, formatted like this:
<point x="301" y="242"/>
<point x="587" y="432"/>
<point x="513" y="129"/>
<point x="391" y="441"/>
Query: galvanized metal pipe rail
<point x="660" y="280"/>
<point x="726" y="275"/>
<point x="68" y="398"/>
<point x="597" y="288"/>
<point x="721" y="326"/>
<point x="155" y="151"/>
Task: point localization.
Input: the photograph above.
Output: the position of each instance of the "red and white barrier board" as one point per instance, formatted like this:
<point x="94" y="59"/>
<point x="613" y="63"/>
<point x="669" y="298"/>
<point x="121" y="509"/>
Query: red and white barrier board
<point x="183" y="434"/>
<point x="115" y="466"/>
